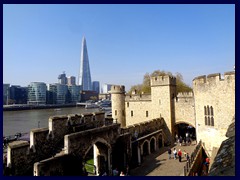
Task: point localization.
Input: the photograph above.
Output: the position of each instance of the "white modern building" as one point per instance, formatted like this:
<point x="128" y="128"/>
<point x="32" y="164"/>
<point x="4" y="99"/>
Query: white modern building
<point x="106" y="88"/>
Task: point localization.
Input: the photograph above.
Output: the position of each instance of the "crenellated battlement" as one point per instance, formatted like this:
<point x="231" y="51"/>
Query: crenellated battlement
<point x="138" y="97"/>
<point x="163" y="80"/>
<point x="185" y="95"/>
<point x="117" y="89"/>
<point x="213" y="78"/>
<point x="47" y="142"/>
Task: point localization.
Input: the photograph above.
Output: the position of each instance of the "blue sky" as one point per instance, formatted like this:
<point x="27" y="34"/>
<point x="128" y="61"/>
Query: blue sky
<point x="124" y="41"/>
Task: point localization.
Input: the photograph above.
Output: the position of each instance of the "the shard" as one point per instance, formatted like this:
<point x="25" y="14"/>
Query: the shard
<point x="85" y="75"/>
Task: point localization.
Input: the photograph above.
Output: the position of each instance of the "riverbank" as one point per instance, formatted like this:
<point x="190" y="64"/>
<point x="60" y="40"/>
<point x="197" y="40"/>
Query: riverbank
<point x="19" y="107"/>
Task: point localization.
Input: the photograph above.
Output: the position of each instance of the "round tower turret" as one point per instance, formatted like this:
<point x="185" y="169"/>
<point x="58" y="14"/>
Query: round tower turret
<point x="118" y="104"/>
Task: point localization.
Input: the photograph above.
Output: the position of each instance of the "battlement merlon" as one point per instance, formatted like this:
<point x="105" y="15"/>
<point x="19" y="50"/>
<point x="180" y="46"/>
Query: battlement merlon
<point x="163" y="80"/>
<point x="212" y="77"/>
<point x="185" y="94"/>
<point x="117" y="89"/>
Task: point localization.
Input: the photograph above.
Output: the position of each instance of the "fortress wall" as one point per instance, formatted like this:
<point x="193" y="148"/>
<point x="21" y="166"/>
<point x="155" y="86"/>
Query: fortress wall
<point x="49" y="167"/>
<point x="75" y="143"/>
<point x="87" y="117"/>
<point x="58" y="126"/>
<point x="137" y="97"/>
<point x="144" y="127"/>
<point x="74" y="119"/>
<point x="19" y="157"/>
<point x="99" y="116"/>
<point x="139" y="109"/>
<point x="46" y="142"/>
<point x="218" y="93"/>
<point x="184" y="108"/>
<point x="61" y="165"/>
<point x="38" y="139"/>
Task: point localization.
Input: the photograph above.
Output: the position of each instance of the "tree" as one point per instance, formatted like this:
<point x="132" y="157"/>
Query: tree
<point x="146" y="88"/>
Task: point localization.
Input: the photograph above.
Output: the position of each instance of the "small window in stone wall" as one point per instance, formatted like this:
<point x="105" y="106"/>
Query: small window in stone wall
<point x="211" y="111"/>
<point x="208" y="113"/>
<point x="131" y="113"/>
<point x="212" y="121"/>
<point x="146" y="113"/>
<point x="127" y="104"/>
<point x="208" y="121"/>
<point x="115" y="112"/>
<point x="159" y="101"/>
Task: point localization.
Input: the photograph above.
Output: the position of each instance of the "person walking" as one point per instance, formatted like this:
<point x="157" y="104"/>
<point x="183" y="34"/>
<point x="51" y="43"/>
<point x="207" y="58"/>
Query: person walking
<point x="187" y="156"/>
<point x="180" y="155"/>
<point x="176" y="138"/>
<point x="180" y="140"/>
<point x="175" y="153"/>
<point x="207" y="162"/>
<point x="169" y="153"/>
<point x="115" y="172"/>
<point x="122" y="174"/>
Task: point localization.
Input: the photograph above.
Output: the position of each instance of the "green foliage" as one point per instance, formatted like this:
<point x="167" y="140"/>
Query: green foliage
<point x="89" y="166"/>
<point x="146" y="88"/>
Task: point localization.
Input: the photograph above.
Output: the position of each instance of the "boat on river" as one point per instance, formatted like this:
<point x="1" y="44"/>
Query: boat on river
<point x="91" y="106"/>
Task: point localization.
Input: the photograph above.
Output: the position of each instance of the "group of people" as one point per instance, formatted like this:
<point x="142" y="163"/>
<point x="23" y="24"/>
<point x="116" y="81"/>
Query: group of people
<point x="186" y="140"/>
<point x="116" y="172"/>
<point x="177" y="154"/>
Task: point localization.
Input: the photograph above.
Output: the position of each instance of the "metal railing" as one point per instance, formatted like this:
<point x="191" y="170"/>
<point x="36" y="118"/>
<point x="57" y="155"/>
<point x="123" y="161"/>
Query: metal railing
<point x="192" y="158"/>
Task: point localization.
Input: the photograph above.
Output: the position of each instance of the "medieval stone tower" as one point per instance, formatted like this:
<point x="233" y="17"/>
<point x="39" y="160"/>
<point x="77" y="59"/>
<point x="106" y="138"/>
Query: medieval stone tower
<point x="163" y="91"/>
<point x="118" y="104"/>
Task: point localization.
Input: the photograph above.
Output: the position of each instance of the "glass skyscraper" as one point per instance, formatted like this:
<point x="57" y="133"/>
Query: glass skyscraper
<point x="85" y="75"/>
<point x="37" y="93"/>
<point x="96" y="86"/>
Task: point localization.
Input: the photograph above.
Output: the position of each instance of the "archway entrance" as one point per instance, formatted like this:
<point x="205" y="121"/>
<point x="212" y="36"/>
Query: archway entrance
<point x="97" y="159"/>
<point x="145" y="148"/>
<point x="152" y="145"/>
<point x="185" y="130"/>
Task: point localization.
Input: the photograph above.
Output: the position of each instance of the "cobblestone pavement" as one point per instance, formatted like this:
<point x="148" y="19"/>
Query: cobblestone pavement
<point x="159" y="164"/>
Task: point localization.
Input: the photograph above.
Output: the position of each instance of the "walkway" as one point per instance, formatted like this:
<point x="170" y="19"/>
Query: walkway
<point x="158" y="164"/>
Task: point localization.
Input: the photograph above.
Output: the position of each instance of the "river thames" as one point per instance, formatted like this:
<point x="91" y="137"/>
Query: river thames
<point x="25" y="120"/>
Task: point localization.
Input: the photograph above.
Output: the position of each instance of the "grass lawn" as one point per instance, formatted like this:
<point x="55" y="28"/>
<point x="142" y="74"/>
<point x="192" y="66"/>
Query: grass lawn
<point x="90" y="166"/>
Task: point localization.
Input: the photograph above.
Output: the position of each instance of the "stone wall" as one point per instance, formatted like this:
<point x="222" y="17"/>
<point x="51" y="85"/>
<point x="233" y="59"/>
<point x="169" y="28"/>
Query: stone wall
<point x="79" y="143"/>
<point x="62" y="165"/>
<point x="137" y="112"/>
<point x="147" y="127"/>
<point x="212" y="91"/>
<point x="47" y="142"/>
<point x="184" y="108"/>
